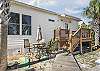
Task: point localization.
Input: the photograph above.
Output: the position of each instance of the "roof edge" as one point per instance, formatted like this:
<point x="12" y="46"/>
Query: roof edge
<point x="45" y="10"/>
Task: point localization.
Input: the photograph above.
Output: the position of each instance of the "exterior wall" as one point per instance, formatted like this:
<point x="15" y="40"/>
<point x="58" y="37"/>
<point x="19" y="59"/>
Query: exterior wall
<point x="73" y="26"/>
<point x="16" y="42"/>
<point x="38" y="17"/>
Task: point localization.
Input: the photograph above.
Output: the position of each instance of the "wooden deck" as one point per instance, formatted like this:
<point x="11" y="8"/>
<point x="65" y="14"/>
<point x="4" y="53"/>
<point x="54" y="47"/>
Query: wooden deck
<point x="71" y="39"/>
<point x="80" y="36"/>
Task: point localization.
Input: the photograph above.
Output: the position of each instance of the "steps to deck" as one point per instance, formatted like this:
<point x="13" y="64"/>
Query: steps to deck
<point x="78" y="37"/>
<point x="72" y="39"/>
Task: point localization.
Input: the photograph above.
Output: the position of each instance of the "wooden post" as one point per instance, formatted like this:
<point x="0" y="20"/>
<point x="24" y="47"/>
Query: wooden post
<point x="54" y="34"/>
<point x="59" y="30"/>
<point x="90" y="34"/>
<point x="90" y="40"/>
<point x="90" y="45"/>
<point x="70" y="37"/>
<point x="81" y="40"/>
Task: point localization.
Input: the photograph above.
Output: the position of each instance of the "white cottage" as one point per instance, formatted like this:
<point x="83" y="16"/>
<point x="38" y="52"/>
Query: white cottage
<point x="24" y="22"/>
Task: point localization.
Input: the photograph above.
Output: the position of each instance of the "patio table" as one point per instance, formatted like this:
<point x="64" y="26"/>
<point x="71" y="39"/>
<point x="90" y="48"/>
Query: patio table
<point x="39" y="45"/>
<point x="40" y="49"/>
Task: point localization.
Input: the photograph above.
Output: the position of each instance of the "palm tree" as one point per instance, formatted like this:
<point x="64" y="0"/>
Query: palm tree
<point x="4" y="19"/>
<point x="93" y="12"/>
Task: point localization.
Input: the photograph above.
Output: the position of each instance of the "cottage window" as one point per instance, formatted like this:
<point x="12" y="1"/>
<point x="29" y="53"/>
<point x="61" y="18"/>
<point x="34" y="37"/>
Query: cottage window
<point x="26" y="25"/>
<point x="51" y="20"/>
<point x="14" y="25"/>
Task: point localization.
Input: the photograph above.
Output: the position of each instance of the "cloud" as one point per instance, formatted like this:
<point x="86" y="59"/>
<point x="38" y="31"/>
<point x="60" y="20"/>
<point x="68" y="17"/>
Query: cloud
<point x="40" y="2"/>
<point x="72" y="11"/>
<point x="76" y="8"/>
<point x="52" y="2"/>
<point x="26" y="1"/>
<point x="82" y="2"/>
<point x="47" y="3"/>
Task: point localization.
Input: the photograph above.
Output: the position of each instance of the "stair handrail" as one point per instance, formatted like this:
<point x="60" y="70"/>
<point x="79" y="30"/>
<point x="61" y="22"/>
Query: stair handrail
<point x="78" y="37"/>
<point x="76" y="32"/>
<point x="72" y="37"/>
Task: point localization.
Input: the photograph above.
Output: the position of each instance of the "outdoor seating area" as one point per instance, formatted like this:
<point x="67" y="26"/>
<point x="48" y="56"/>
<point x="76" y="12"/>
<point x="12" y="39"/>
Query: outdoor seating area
<point x="34" y="51"/>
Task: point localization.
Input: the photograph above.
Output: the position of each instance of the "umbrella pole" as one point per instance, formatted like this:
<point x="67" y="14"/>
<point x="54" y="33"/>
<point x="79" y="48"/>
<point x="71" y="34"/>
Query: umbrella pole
<point x="29" y="58"/>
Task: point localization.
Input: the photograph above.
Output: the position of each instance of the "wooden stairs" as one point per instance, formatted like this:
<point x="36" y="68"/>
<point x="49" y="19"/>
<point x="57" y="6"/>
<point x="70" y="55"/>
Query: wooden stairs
<point x="74" y="39"/>
<point x="78" y="37"/>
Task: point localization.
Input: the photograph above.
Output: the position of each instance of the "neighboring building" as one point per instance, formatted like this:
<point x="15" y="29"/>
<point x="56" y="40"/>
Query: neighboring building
<point x="24" y="22"/>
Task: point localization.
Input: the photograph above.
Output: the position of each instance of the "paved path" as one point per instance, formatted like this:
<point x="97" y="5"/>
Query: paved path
<point x="64" y="63"/>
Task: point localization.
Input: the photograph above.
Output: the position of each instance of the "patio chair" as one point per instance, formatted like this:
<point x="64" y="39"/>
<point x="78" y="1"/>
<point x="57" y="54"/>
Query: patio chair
<point x="26" y="43"/>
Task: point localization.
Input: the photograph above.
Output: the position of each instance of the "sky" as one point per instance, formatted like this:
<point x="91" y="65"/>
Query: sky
<point x="70" y="7"/>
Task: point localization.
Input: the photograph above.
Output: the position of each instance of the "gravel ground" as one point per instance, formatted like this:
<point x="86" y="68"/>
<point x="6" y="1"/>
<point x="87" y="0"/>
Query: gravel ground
<point x="62" y="62"/>
<point x="87" y="61"/>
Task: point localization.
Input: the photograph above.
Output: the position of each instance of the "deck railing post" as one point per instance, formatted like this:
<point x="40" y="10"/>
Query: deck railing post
<point x="90" y="39"/>
<point x="70" y="37"/>
<point x="81" y="40"/>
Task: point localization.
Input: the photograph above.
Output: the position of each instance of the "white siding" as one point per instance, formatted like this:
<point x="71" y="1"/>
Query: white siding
<point x="73" y="26"/>
<point x="15" y="42"/>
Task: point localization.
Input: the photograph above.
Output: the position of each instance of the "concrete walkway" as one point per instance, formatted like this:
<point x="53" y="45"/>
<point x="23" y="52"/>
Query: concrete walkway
<point x="64" y="63"/>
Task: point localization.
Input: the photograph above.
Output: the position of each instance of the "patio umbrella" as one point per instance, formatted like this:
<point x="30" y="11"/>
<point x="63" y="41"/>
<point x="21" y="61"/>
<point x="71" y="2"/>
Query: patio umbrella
<point x="39" y="34"/>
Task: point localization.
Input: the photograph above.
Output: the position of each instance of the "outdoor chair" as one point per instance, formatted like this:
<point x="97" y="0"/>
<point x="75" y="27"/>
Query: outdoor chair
<point x="27" y="46"/>
<point x="26" y="43"/>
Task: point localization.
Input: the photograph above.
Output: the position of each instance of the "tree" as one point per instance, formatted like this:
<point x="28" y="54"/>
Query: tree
<point x="93" y="12"/>
<point x="4" y="19"/>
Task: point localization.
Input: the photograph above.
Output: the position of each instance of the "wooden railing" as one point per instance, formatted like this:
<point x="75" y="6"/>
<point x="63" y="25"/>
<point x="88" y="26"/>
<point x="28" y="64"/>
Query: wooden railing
<point x="81" y="35"/>
<point x="74" y="39"/>
<point x="62" y="36"/>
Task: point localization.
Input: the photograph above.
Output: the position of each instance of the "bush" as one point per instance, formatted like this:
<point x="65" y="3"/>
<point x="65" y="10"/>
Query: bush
<point x="52" y="46"/>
